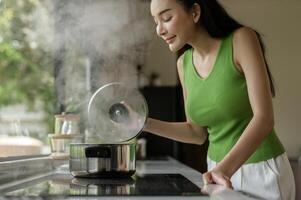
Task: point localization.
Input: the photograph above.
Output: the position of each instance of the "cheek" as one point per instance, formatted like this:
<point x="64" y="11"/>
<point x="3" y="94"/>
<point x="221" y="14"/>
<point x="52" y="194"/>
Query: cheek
<point x="173" y="25"/>
<point x="186" y="32"/>
<point x="177" y="27"/>
<point x="171" y="28"/>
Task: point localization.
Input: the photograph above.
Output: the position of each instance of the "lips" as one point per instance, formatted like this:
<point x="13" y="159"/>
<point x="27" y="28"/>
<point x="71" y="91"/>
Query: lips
<point x="169" y="40"/>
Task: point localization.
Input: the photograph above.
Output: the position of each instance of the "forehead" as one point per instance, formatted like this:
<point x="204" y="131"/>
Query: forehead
<point x="159" y="5"/>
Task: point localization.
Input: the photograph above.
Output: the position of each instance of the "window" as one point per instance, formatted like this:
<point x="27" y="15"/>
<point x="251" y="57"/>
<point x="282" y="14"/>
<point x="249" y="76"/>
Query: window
<point x="55" y="54"/>
<point x="26" y="78"/>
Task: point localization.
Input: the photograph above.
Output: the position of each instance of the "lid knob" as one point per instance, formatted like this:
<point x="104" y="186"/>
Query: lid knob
<point x="119" y="113"/>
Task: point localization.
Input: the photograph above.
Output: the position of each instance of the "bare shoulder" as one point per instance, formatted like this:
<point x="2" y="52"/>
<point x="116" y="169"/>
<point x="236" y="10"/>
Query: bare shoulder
<point x="244" y="34"/>
<point x="245" y="44"/>
<point x="245" y="38"/>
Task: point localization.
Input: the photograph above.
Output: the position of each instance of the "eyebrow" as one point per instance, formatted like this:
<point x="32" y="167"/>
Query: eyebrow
<point x="163" y="11"/>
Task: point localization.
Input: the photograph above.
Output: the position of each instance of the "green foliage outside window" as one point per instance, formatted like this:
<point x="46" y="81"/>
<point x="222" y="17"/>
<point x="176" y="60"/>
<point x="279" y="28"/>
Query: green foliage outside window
<point x="26" y="67"/>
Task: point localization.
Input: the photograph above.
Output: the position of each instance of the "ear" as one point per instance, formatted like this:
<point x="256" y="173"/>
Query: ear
<point x="196" y="12"/>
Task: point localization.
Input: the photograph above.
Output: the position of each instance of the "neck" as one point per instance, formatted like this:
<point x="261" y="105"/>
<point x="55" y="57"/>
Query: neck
<point x="202" y="43"/>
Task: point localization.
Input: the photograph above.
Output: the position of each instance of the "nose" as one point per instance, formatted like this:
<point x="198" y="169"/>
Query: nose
<point x="160" y="30"/>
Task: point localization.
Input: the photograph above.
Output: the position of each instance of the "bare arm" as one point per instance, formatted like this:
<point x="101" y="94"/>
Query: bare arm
<point x="249" y="57"/>
<point x="181" y="131"/>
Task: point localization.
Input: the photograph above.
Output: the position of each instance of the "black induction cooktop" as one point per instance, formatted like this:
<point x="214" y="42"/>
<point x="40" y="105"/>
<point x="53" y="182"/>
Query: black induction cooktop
<point x="137" y="185"/>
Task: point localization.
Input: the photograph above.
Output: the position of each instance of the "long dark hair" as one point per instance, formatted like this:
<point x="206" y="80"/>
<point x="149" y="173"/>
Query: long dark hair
<point x="219" y="24"/>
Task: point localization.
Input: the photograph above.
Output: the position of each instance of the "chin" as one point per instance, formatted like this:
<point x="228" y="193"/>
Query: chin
<point x="174" y="48"/>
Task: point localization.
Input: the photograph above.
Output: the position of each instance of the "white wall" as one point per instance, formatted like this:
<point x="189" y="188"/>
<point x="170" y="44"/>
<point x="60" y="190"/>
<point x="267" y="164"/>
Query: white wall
<point x="279" y="22"/>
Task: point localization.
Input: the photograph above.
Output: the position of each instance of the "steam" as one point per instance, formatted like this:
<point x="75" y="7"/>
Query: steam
<point x="97" y="42"/>
<point x="112" y="36"/>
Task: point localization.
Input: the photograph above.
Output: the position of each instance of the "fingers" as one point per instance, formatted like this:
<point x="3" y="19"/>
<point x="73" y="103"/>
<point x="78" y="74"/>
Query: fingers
<point x="207" y="178"/>
<point x="127" y="106"/>
<point x="220" y="179"/>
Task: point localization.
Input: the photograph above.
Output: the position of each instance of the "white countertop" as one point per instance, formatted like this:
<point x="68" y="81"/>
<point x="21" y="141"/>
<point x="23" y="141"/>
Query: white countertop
<point x="173" y="166"/>
<point x="169" y="166"/>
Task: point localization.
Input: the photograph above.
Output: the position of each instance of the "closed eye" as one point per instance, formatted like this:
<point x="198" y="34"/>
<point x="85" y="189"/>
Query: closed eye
<point x="167" y="19"/>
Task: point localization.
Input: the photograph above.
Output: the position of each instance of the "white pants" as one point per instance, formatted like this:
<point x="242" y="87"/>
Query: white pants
<point x="270" y="179"/>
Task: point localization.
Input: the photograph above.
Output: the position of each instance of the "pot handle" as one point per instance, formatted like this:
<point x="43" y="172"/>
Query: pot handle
<point x="98" y="152"/>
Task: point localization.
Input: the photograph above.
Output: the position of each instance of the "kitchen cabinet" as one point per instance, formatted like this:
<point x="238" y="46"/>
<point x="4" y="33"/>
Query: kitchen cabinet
<point x="166" y="103"/>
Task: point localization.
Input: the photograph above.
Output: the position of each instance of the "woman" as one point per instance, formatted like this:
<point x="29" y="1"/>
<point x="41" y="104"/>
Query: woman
<point x="228" y="93"/>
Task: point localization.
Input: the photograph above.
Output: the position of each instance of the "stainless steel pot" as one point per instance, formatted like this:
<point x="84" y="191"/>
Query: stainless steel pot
<point x="102" y="160"/>
<point x="116" y="115"/>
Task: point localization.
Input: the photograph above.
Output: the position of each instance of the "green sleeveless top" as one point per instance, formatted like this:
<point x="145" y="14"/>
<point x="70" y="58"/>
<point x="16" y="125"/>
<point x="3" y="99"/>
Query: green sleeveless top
<point x="220" y="102"/>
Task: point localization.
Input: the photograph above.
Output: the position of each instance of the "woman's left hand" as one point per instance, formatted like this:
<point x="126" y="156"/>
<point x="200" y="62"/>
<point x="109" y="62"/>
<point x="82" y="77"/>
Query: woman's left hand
<point x="217" y="177"/>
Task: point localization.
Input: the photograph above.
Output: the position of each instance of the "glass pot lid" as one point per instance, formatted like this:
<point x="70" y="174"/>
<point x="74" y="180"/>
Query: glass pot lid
<point x="116" y="113"/>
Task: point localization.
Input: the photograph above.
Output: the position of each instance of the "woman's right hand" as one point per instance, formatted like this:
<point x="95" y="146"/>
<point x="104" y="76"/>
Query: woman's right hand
<point x="130" y="121"/>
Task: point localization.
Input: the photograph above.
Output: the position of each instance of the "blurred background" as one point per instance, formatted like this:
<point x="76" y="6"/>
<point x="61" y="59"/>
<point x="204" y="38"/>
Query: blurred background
<point x="55" y="54"/>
